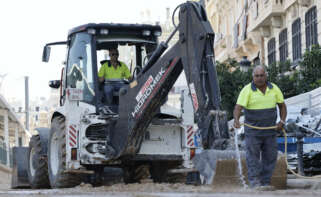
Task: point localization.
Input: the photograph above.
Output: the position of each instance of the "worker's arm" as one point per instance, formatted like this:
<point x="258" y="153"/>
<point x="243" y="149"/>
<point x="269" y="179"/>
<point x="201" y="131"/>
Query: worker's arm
<point x="283" y="113"/>
<point x="237" y="114"/>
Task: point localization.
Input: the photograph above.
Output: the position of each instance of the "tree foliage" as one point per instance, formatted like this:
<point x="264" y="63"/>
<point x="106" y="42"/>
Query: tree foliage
<point x="231" y="80"/>
<point x="310" y="69"/>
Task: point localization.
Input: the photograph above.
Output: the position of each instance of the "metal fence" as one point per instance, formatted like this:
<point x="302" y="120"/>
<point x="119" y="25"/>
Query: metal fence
<point x="309" y="100"/>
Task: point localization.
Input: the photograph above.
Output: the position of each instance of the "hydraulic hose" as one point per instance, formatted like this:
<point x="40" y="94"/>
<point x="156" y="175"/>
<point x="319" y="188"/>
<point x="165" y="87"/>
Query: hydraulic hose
<point x="285" y="150"/>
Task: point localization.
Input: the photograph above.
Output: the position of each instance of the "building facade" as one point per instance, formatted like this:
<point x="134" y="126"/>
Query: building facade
<point x="12" y="132"/>
<point x="265" y="31"/>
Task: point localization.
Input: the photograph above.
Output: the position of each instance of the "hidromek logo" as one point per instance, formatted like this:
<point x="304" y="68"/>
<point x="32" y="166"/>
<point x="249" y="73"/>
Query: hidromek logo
<point x="146" y="91"/>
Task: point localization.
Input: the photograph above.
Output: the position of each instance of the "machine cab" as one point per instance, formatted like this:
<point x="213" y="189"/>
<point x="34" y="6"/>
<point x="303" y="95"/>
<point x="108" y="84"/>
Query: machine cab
<point x="88" y="49"/>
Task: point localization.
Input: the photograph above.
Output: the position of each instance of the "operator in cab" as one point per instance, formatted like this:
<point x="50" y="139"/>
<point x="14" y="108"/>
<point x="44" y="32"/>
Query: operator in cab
<point x="111" y="73"/>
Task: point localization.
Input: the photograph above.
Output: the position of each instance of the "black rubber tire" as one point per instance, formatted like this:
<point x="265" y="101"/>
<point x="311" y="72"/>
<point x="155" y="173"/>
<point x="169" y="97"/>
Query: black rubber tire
<point x="128" y="174"/>
<point x="158" y="172"/>
<point x="176" y="178"/>
<point x="133" y="174"/>
<point x="39" y="179"/>
<point x="61" y="179"/>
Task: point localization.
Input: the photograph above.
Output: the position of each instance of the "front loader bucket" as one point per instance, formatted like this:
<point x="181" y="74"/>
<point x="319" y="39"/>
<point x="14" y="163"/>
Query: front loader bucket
<point x="19" y="178"/>
<point x="221" y="169"/>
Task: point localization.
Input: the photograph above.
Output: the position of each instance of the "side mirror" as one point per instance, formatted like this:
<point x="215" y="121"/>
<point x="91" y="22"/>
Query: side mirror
<point x="46" y="54"/>
<point x="54" y="84"/>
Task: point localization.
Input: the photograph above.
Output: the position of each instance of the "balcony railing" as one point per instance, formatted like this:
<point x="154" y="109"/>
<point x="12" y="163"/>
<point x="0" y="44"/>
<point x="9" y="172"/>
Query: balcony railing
<point x="288" y="3"/>
<point x="263" y="11"/>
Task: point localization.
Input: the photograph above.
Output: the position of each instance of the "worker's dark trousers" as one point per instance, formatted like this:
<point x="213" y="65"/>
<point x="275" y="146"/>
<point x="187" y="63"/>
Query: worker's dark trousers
<point x="109" y="90"/>
<point x="261" y="157"/>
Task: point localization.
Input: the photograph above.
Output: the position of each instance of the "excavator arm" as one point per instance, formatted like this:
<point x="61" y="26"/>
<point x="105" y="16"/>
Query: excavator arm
<point x="193" y="53"/>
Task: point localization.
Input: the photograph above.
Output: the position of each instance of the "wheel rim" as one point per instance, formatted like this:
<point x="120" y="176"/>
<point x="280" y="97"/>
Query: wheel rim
<point x="54" y="147"/>
<point x="31" y="159"/>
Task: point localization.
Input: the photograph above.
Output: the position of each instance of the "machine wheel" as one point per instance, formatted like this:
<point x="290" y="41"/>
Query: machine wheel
<point x="128" y="174"/>
<point x="158" y="172"/>
<point x="37" y="165"/>
<point x="57" y="157"/>
<point x="133" y="174"/>
<point x="176" y="178"/>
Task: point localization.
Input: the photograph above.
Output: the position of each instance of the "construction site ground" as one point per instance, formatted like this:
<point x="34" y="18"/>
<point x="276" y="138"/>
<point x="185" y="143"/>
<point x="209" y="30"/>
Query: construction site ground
<point x="295" y="187"/>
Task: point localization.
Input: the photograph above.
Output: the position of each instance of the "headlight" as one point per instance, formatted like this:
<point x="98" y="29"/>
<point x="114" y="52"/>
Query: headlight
<point x="157" y="33"/>
<point x="104" y="31"/>
<point x="91" y="31"/>
<point x="146" y="33"/>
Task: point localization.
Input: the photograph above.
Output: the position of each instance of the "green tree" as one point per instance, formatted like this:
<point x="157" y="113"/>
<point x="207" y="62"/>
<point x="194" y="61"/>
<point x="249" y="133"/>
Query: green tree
<point x="310" y="68"/>
<point x="231" y="81"/>
<point x="281" y="74"/>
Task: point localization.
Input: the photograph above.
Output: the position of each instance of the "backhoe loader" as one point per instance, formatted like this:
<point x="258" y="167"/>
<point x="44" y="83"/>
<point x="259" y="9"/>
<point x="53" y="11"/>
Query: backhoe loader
<point x="136" y="135"/>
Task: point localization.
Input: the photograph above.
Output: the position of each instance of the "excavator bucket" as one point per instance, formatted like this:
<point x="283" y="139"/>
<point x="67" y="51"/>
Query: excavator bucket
<point x="221" y="168"/>
<point x="19" y="178"/>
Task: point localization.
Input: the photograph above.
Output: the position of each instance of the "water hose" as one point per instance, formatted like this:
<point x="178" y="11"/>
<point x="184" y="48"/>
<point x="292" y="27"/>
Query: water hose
<point x="285" y="150"/>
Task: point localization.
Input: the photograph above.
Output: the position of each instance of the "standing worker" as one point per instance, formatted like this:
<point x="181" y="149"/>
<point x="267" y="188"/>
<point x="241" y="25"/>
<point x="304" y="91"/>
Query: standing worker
<point x="259" y="100"/>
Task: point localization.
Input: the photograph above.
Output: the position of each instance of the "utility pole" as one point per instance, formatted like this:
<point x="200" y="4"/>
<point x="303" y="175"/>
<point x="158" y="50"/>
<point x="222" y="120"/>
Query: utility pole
<point x="27" y="101"/>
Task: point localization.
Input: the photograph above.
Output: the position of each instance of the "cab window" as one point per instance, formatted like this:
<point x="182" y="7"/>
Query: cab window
<point x="79" y="66"/>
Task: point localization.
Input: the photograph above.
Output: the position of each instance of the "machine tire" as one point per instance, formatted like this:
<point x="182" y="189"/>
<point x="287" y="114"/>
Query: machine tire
<point x="158" y="173"/>
<point x="176" y="178"/>
<point x="128" y="175"/>
<point x="57" y="157"/>
<point x="37" y="167"/>
<point x="133" y="174"/>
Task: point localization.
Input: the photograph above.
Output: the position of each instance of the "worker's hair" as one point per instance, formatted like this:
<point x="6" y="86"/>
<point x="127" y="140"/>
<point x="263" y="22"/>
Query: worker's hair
<point x="260" y="67"/>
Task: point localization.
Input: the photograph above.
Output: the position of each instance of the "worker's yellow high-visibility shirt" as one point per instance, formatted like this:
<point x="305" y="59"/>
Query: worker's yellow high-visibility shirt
<point x="252" y="98"/>
<point x="110" y="72"/>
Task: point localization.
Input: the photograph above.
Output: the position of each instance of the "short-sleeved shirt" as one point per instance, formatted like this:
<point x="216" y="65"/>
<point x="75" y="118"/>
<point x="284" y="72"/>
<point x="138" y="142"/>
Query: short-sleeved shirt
<point x="110" y="72"/>
<point x="260" y="109"/>
<point x="252" y="98"/>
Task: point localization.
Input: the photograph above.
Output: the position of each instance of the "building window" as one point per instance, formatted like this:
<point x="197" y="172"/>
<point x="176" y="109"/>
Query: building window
<point x="283" y="45"/>
<point x="271" y="51"/>
<point x="296" y="40"/>
<point x="235" y="35"/>
<point x="256" y="61"/>
<point x="311" y="30"/>
<point x="256" y="9"/>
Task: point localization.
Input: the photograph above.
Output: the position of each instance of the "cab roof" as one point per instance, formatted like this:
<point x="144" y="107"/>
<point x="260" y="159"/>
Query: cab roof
<point x="117" y="29"/>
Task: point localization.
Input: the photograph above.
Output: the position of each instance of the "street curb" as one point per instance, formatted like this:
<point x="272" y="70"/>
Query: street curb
<point x="304" y="183"/>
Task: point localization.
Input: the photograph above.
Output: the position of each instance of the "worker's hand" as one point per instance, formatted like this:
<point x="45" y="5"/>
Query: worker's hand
<point x="237" y="124"/>
<point x="279" y="126"/>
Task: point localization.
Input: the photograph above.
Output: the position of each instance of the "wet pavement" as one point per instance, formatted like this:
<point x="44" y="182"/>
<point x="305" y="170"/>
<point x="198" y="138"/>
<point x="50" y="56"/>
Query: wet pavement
<point x="54" y="193"/>
<point x="295" y="187"/>
<point x="162" y="190"/>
